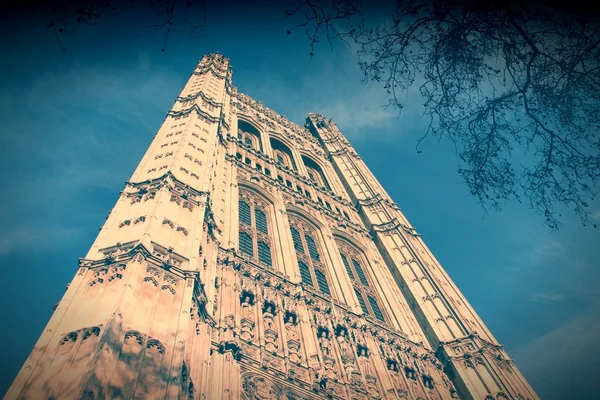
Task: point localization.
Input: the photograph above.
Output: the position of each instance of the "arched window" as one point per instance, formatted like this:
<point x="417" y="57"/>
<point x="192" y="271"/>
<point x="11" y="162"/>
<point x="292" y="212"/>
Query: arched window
<point x="283" y="158"/>
<point x="249" y="135"/>
<point x="282" y="153"/>
<point x="255" y="238"/>
<point x="315" y="173"/>
<point x="354" y="263"/>
<point x="312" y="270"/>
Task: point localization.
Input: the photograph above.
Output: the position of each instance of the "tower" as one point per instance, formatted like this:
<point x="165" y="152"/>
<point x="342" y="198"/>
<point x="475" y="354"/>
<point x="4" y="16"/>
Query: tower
<point x="249" y="257"/>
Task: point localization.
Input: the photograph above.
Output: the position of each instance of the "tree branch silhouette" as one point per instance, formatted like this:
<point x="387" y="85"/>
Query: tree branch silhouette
<point x="65" y="17"/>
<point x="514" y="85"/>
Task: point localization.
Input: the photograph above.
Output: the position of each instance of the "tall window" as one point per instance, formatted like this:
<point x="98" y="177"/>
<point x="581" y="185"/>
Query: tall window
<point x="255" y="237"/>
<point x="312" y="270"/>
<point x="354" y="265"/>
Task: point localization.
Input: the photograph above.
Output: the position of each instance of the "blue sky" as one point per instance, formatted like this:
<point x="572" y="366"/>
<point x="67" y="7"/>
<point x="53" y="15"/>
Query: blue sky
<point x="76" y="123"/>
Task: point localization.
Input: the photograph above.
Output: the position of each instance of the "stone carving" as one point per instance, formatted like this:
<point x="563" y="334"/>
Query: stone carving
<point x="292" y="333"/>
<point x="247" y="322"/>
<point x="99" y="276"/>
<point x="363" y="360"/>
<point x="324" y="343"/>
<point x="319" y="378"/>
<point x="269" y="307"/>
<point x="257" y="387"/>
<point x="356" y="381"/>
<point x="246" y="305"/>
<point x="345" y="349"/>
<point x="271" y="340"/>
<point x="229" y="340"/>
<point x="116" y="272"/>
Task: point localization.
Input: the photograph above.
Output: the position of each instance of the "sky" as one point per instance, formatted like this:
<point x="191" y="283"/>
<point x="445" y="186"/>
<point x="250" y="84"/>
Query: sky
<point x="75" y="123"/>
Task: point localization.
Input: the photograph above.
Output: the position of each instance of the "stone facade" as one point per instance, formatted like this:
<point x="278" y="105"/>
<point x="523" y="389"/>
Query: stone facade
<point x="252" y="258"/>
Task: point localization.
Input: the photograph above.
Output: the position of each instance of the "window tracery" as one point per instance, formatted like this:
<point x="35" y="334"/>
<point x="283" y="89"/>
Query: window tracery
<point x="315" y="173"/>
<point x="315" y="177"/>
<point x="248" y="135"/>
<point x="248" y="139"/>
<point x="283" y="158"/>
<point x="354" y="264"/>
<point x="312" y="271"/>
<point x="254" y="233"/>
<point x="282" y="153"/>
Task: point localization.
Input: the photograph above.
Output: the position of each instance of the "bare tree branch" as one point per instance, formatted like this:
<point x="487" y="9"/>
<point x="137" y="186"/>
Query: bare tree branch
<point x="514" y="85"/>
<point x="170" y="15"/>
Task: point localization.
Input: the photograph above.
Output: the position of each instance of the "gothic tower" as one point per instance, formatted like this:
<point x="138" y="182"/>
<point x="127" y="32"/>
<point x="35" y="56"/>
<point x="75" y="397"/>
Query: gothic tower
<point x="252" y="258"/>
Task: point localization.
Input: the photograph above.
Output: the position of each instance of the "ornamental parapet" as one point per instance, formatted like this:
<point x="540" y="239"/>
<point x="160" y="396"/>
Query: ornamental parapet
<point x="269" y="117"/>
<point x="203" y="96"/>
<point x="339" y="355"/>
<point x="199" y="112"/>
<point x="146" y="190"/>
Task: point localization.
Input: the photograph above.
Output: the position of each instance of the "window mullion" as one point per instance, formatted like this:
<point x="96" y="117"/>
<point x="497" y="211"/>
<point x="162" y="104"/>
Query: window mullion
<point x="311" y="266"/>
<point x="304" y="245"/>
<point x="255" y="243"/>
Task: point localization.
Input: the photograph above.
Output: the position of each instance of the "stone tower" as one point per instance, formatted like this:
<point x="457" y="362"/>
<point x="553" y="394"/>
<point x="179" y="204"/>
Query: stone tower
<point x="249" y="257"/>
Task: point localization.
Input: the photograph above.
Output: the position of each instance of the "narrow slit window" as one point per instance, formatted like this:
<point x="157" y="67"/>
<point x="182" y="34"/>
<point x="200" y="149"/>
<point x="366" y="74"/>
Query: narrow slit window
<point x="264" y="253"/>
<point x="297" y="242"/>
<point x="322" y="281"/>
<point x="261" y="221"/>
<point x="360" y="273"/>
<point x="245" y="213"/>
<point x="354" y="261"/>
<point x="361" y="301"/>
<point x="305" y="273"/>
<point x="312" y="271"/>
<point x="376" y="309"/>
<point x="347" y="266"/>
<point x="246" y="246"/>
<point x="312" y="248"/>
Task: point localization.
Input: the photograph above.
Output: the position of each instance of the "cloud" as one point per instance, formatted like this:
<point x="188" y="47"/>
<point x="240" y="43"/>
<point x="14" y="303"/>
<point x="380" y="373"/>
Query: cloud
<point x="332" y="85"/>
<point x="72" y="132"/>
<point x="563" y="363"/>
<point x="546" y="252"/>
<point x="364" y="110"/>
<point x="96" y="114"/>
<point x="547" y="296"/>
